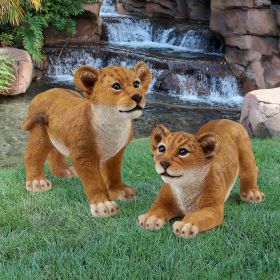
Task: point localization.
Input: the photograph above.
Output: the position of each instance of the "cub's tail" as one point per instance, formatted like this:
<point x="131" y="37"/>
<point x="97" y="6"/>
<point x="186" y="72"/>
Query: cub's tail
<point x="40" y="119"/>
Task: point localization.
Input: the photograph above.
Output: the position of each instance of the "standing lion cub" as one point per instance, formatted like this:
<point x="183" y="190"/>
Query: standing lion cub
<point x="199" y="173"/>
<point x="92" y="131"/>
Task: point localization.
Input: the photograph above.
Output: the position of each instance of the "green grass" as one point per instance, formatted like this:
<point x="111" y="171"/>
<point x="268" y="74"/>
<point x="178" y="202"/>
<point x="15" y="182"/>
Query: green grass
<point x="53" y="236"/>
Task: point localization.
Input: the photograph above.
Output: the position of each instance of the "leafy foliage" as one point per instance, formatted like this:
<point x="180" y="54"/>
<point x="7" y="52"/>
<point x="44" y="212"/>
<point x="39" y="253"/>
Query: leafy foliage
<point x="6" y="39"/>
<point x="6" y="73"/>
<point x="12" y="11"/>
<point x="31" y="34"/>
<point x="35" y="16"/>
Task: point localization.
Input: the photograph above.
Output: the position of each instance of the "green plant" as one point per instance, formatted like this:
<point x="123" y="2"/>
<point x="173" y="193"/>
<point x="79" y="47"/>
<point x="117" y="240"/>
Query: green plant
<point x="36" y="18"/>
<point x="6" y="39"/>
<point x="6" y="73"/>
<point x="12" y="11"/>
<point x="31" y="35"/>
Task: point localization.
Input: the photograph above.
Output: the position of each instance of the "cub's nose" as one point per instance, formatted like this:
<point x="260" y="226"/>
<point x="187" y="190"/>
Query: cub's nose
<point x="136" y="97"/>
<point x="165" y="164"/>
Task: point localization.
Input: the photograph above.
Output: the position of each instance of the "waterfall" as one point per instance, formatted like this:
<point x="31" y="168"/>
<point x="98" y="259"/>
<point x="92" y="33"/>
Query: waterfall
<point x="108" y="9"/>
<point x="192" y="86"/>
<point x="186" y="60"/>
<point x="147" y="34"/>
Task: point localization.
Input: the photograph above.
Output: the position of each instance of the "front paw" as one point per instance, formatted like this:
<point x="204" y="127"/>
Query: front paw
<point x="38" y="185"/>
<point x="151" y="222"/>
<point x="185" y="230"/>
<point x="122" y="192"/>
<point x="253" y="196"/>
<point x="104" y="209"/>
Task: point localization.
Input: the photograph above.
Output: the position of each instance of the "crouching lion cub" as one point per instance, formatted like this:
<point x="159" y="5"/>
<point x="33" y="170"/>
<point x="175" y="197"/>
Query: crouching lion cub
<point x="199" y="173"/>
<point x="93" y="131"/>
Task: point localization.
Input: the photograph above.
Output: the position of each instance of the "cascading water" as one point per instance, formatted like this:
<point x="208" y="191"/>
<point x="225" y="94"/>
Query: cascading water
<point x="147" y="34"/>
<point x="108" y="9"/>
<point x="186" y="60"/>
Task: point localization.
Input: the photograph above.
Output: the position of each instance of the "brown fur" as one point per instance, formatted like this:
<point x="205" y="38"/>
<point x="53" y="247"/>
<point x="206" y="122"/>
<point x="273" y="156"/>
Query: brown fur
<point x="93" y="131"/>
<point x="216" y="156"/>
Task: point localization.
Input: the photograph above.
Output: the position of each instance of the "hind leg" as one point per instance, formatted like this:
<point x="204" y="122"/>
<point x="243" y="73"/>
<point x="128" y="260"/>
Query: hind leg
<point x="58" y="165"/>
<point x="36" y="153"/>
<point x="249" y="190"/>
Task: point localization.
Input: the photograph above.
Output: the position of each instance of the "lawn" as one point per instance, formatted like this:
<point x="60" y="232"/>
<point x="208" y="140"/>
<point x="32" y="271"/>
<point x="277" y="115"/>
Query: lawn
<point x="53" y="236"/>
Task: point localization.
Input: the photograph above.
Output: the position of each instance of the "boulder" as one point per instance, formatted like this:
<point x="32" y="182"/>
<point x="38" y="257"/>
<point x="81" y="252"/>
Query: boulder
<point x="23" y="69"/>
<point x="260" y="113"/>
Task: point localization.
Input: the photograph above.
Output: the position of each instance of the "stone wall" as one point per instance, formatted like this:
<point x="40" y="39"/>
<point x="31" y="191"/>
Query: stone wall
<point x="251" y="29"/>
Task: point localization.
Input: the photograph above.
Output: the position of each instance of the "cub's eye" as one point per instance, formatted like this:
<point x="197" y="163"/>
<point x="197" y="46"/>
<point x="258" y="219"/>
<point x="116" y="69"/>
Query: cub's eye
<point x="161" y="149"/>
<point x="136" y="84"/>
<point x="183" y="152"/>
<point x="116" y="86"/>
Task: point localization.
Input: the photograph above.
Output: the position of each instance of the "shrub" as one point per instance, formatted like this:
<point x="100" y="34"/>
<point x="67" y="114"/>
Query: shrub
<point x="35" y="19"/>
<point x="6" y="39"/>
<point x="6" y="73"/>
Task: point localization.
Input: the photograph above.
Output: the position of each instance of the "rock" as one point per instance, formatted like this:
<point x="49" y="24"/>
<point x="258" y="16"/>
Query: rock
<point x="272" y="71"/>
<point x="260" y="113"/>
<point x="191" y="9"/>
<point x="250" y="21"/>
<point x="241" y="4"/>
<point x="276" y="10"/>
<point x="40" y="67"/>
<point x="154" y="8"/>
<point x="253" y="78"/>
<point x="237" y="69"/>
<point x="242" y="57"/>
<point x="23" y="69"/>
<point x="251" y="32"/>
<point x="87" y="31"/>
<point x="262" y="3"/>
<point x="259" y="44"/>
<point x="170" y="80"/>
<point x="197" y="10"/>
<point x="228" y="4"/>
<point x="93" y="8"/>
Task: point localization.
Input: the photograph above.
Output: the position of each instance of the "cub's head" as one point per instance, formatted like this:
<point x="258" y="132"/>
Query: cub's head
<point x="118" y="88"/>
<point x="182" y="157"/>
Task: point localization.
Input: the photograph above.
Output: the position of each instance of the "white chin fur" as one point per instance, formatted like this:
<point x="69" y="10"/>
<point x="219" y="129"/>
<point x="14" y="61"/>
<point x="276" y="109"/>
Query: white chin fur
<point x="132" y="115"/>
<point x="170" y="180"/>
<point x="159" y="168"/>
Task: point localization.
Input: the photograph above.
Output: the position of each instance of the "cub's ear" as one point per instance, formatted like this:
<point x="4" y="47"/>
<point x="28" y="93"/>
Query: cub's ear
<point x="143" y="73"/>
<point x="210" y="143"/>
<point x="85" y="78"/>
<point x="157" y="134"/>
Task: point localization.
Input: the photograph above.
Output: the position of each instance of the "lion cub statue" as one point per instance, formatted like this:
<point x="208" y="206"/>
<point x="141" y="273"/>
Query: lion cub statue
<point x="199" y="172"/>
<point x="92" y="131"/>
